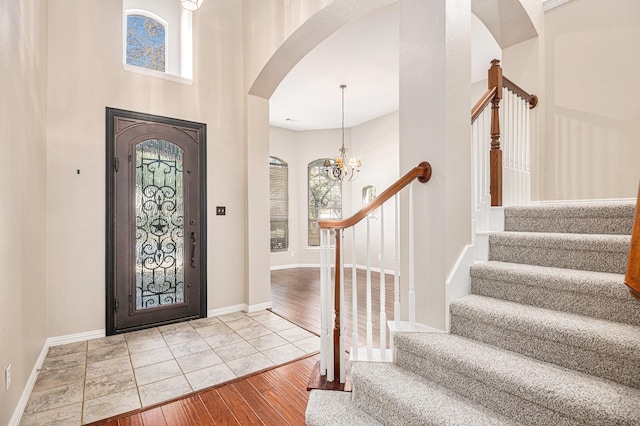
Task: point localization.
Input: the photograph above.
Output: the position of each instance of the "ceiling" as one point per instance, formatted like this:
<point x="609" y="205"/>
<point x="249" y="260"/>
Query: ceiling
<point x="364" y="56"/>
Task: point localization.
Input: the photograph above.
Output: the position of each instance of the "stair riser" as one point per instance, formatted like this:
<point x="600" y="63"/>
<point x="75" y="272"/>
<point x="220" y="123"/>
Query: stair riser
<point x="578" y="218"/>
<point x="367" y="399"/>
<point x="508" y="404"/>
<point x="584" y="225"/>
<point x="596" y="306"/>
<point x="571" y="258"/>
<point x="619" y="369"/>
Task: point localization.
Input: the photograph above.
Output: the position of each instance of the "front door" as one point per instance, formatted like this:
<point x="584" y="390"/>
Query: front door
<point x="156" y="270"/>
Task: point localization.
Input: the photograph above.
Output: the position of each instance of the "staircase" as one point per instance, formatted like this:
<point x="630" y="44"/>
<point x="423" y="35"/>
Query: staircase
<point x="549" y="336"/>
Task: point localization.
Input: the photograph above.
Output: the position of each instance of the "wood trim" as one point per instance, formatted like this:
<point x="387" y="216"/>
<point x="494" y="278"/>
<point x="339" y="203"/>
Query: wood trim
<point x="422" y="172"/>
<point x="532" y="99"/>
<point x="632" y="278"/>
<point x="482" y="103"/>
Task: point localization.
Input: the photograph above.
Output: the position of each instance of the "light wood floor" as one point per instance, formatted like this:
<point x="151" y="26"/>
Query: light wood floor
<point x="278" y="396"/>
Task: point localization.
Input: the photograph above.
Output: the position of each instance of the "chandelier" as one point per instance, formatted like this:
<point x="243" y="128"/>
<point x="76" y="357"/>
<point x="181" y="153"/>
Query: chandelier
<point x="343" y="168"/>
<point x="191" y="5"/>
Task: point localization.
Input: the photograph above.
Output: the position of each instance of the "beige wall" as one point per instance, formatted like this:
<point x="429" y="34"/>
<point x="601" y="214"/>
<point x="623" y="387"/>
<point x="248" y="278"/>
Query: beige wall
<point x="85" y="76"/>
<point x="23" y="149"/>
<point x="592" y="142"/>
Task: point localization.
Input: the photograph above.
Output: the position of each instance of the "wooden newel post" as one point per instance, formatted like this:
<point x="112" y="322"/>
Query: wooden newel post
<point x="495" y="159"/>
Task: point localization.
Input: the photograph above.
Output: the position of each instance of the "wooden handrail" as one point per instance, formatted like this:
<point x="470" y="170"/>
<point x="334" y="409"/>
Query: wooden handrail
<point x="532" y="99"/>
<point x="422" y="172"/>
<point x="482" y="103"/>
<point x="632" y="278"/>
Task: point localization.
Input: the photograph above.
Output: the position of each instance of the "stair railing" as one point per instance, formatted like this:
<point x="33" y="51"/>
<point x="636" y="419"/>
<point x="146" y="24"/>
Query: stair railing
<point x="501" y="178"/>
<point x="632" y="278"/>
<point x="332" y="291"/>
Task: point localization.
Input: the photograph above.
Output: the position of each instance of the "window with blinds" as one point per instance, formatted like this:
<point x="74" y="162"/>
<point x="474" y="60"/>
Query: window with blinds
<point x="279" y="203"/>
<point x="325" y="198"/>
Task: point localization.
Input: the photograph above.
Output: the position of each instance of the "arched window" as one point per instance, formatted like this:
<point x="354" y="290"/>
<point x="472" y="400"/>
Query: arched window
<point x="146" y="42"/>
<point x="279" y="203"/>
<point x="325" y="198"/>
<point x="158" y="39"/>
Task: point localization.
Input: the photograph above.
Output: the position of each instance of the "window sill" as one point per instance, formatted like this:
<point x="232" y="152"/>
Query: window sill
<point x="158" y="74"/>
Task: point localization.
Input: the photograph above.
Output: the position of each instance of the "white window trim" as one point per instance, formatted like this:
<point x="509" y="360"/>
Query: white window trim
<point x="157" y="74"/>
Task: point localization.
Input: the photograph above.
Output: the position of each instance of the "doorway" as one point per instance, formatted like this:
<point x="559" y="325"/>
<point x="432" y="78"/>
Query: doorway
<point x="156" y="221"/>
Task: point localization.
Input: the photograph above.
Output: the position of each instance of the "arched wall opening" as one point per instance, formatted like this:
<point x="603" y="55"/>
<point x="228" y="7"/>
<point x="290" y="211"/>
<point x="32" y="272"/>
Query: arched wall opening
<point x="320" y="26"/>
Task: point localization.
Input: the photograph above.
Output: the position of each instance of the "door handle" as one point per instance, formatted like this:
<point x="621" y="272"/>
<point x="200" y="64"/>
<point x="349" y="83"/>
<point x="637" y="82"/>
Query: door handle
<point x="193" y="250"/>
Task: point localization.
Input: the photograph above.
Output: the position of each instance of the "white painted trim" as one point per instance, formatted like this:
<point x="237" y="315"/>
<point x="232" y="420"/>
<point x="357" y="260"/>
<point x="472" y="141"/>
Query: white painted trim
<point x="257" y="308"/>
<point x="590" y="201"/>
<point x="158" y="74"/>
<point x="458" y="282"/>
<point x="311" y="265"/>
<point x="550" y="4"/>
<point x="295" y="265"/>
<point x="28" y="388"/>
<point x="77" y="337"/>
<point x="226" y="310"/>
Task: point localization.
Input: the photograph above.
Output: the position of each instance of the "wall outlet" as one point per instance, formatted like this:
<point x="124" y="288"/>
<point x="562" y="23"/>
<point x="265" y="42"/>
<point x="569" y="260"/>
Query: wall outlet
<point x="7" y="377"/>
<point x="292" y="253"/>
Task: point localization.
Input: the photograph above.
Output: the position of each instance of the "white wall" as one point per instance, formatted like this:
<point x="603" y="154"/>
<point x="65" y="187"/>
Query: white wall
<point x="23" y="84"/>
<point x="591" y="147"/>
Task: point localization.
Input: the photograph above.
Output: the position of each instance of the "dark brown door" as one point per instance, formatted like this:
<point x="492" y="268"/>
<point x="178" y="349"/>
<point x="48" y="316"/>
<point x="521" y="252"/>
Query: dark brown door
<point x="156" y="271"/>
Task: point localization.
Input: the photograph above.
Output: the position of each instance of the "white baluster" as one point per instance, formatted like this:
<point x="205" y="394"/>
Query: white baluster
<point x="354" y="298"/>
<point x="329" y="291"/>
<point x="412" y="293"/>
<point x="383" y="313"/>
<point x="396" y="275"/>
<point x="342" y="329"/>
<point x="323" y="302"/>
<point x="369" y="319"/>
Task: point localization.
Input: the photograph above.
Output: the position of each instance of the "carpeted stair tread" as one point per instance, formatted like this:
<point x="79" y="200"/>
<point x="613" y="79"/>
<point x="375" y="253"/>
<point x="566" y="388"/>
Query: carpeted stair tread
<point x="598" y="294"/>
<point x="463" y="364"/>
<point x="590" y="252"/>
<point x="332" y="408"/>
<point x="603" y="284"/>
<point x="585" y="218"/>
<point x="400" y="397"/>
<point x="588" y="333"/>
<point x="603" y="348"/>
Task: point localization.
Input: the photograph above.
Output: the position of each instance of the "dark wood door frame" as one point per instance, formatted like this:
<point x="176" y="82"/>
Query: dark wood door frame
<point x="111" y="164"/>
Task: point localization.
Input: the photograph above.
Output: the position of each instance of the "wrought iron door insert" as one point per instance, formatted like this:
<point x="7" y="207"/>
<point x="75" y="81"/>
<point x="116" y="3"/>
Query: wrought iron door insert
<point x="156" y="271"/>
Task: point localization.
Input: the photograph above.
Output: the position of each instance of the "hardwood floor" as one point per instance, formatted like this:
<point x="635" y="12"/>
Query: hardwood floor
<point x="295" y="295"/>
<point x="278" y="396"/>
<point x="274" y="397"/>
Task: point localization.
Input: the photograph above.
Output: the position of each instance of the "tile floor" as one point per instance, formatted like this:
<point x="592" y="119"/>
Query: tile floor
<point x="87" y="381"/>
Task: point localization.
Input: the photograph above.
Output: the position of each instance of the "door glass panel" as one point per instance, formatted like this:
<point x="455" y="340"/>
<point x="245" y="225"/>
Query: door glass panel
<point x="159" y="215"/>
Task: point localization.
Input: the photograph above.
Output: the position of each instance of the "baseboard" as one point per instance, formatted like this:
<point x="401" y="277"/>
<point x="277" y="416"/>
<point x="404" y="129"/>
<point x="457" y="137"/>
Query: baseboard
<point x="347" y="265"/>
<point x="26" y="392"/>
<point x="226" y="310"/>
<point x="295" y="265"/>
<point x="458" y="282"/>
<point x="77" y="337"/>
<point x="257" y="308"/>
<point x="590" y="201"/>
<point x="550" y="4"/>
